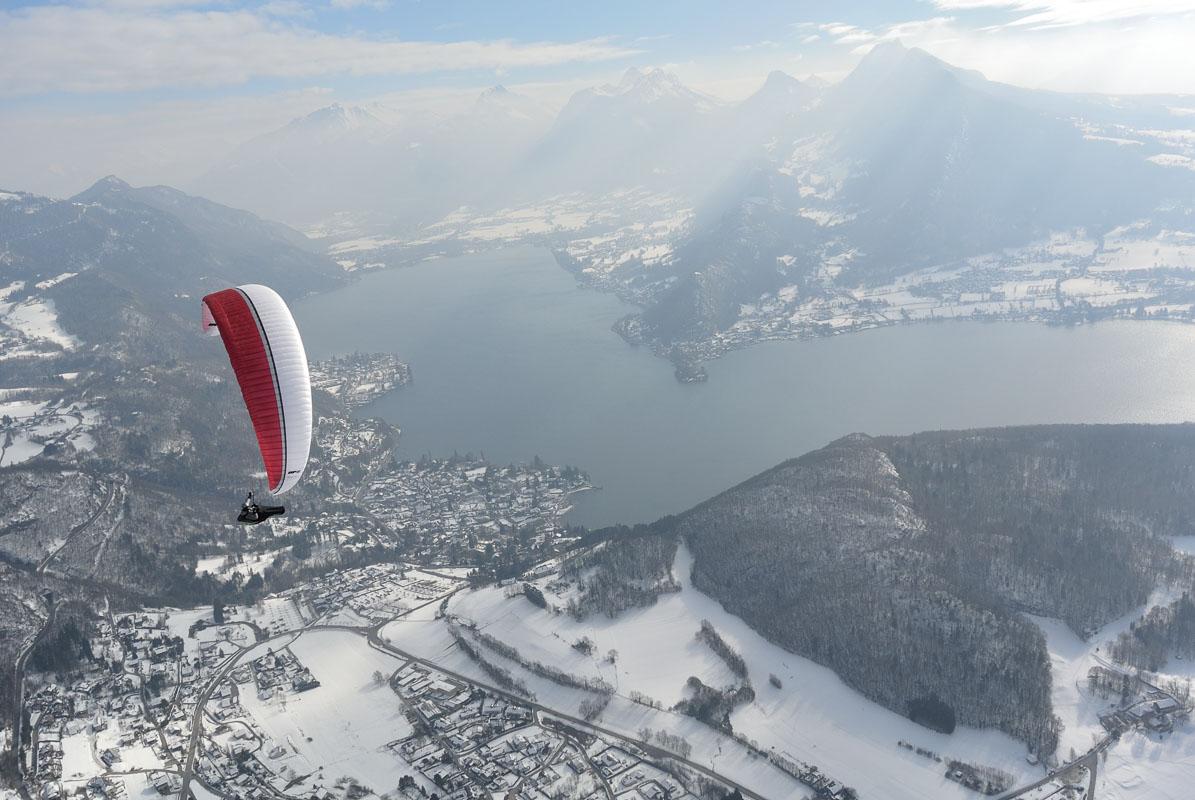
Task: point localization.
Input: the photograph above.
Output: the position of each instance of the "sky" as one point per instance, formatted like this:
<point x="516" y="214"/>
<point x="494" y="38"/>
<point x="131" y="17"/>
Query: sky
<point x="158" y="90"/>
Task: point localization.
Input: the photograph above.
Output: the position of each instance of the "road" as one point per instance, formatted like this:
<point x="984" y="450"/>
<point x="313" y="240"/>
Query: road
<point x="1090" y="760"/>
<point x="376" y="640"/>
<point x="201" y="702"/>
<point x="82" y="526"/>
<point x="19" y="694"/>
<point x="373" y="636"/>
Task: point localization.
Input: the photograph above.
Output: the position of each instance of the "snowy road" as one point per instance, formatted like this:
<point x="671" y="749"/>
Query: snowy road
<point x="376" y="640"/>
<point x="117" y="485"/>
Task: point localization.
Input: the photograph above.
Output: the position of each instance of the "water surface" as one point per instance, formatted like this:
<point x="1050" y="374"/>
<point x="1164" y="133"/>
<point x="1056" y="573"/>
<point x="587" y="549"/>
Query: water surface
<point x="511" y="358"/>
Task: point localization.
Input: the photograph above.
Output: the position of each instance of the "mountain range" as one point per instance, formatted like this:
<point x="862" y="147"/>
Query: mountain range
<point x="728" y="222"/>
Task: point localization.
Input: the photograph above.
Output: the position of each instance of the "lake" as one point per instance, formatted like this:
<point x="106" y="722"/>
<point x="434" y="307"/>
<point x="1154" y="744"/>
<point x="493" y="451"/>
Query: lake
<point x="512" y="359"/>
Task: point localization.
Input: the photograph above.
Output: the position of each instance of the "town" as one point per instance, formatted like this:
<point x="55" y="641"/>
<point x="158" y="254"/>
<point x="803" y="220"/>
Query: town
<point x="358" y="379"/>
<point x="1068" y="278"/>
<point x="268" y="705"/>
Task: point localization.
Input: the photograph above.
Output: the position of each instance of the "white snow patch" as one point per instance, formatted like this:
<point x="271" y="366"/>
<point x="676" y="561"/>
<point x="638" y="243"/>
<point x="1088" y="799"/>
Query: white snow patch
<point x="343" y="725"/>
<point x="35" y="318"/>
<point x="814" y="717"/>
<point x="57" y="279"/>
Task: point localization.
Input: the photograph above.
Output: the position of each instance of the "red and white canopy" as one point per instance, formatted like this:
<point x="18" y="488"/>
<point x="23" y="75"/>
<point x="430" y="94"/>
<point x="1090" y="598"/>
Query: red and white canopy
<point x="270" y="363"/>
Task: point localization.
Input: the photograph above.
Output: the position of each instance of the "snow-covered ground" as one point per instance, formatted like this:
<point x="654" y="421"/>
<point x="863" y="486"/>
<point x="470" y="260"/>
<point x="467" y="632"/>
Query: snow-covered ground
<point x="1141" y="765"/>
<point x="1145" y="767"/>
<point x="35" y="318"/>
<point x="138" y="787"/>
<point x="274" y="614"/>
<point x="342" y="726"/>
<point x="814" y="717"/>
<point x="1135" y="268"/>
<point x="605" y="231"/>
<point x="77" y="762"/>
<point x="250" y="564"/>
<point x="28" y="425"/>
<point x="233" y="636"/>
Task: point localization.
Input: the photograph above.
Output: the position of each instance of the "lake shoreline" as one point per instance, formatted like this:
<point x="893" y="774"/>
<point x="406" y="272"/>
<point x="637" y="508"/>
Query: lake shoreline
<point x="515" y="360"/>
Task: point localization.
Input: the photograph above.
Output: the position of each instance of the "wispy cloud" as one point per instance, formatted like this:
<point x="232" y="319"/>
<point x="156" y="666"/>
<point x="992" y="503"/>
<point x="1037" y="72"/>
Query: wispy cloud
<point x="766" y="44"/>
<point x="286" y="8"/>
<point x="346" y="4"/>
<point x="657" y="37"/>
<point x="118" y="49"/>
<point x="1042" y="14"/>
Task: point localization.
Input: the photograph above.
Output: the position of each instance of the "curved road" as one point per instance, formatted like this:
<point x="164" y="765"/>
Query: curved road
<point x="376" y="640"/>
<point x="373" y="636"/>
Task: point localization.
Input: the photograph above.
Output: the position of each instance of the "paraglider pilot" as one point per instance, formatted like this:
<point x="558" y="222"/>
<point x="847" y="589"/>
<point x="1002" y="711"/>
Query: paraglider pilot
<point x="253" y="514"/>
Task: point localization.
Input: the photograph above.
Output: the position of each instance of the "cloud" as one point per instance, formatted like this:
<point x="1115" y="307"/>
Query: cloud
<point x="115" y="49"/>
<point x="149" y="5"/>
<point x="1151" y="55"/>
<point x="286" y="8"/>
<point x="766" y="44"/>
<point x="377" y="5"/>
<point x="844" y="33"/>
<point x="657" y="37"/>
<point x="1043" y="14"/>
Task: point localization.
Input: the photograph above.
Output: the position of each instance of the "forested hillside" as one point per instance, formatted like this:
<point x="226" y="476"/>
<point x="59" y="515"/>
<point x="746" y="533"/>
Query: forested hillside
<point x="100" y="319"/>
<point x="903" y="562"/>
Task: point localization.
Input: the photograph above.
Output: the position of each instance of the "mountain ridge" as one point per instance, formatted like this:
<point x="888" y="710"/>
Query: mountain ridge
<point x="905" y="563"/>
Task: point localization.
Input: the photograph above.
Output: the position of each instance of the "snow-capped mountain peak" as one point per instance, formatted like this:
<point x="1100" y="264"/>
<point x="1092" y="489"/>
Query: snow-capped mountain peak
<point x="337" y="118"/>
<point x="106" y="186"/>
<point x="500" y="101"/>
<point x="782" y="86"/>
<point x="645" y="87"/>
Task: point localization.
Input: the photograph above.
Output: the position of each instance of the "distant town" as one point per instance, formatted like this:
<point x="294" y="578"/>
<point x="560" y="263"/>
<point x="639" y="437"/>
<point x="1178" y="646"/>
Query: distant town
<point x="358" y="379"/>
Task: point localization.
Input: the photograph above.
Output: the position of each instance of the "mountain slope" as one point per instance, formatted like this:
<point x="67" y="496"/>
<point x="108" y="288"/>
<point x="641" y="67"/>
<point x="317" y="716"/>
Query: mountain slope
<point x="647" y="130"/>
<point x="901" y="562"/>
<point x="121" y="272"/>
<point x="408" y="171"/>
<point x="308" y="169"/>
<point x="907" y="163"/>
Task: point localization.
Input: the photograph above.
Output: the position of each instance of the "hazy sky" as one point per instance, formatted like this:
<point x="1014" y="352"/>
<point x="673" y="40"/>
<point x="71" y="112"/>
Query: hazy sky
<point x="156" y="90"/>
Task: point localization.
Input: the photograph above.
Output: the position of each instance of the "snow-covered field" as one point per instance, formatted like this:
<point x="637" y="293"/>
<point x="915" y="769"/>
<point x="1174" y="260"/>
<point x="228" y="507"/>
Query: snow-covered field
<point x="28" y="425"/>
<point x="1132" y="269"/>
<point x="252" y="563"/>
<point x="77" y="762"/>
<point x="605" y="231"/>
<point x="1141" y="766"/>
<point x="274" y="615"/>
<point x="36" y="319"/>
<point x="814" y="717"/>
<point x="341" y="727"/>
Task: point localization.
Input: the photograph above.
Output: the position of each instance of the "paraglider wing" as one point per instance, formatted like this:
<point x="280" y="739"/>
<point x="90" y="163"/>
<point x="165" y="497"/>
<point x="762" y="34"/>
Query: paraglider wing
<point x="270" y="364"/>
